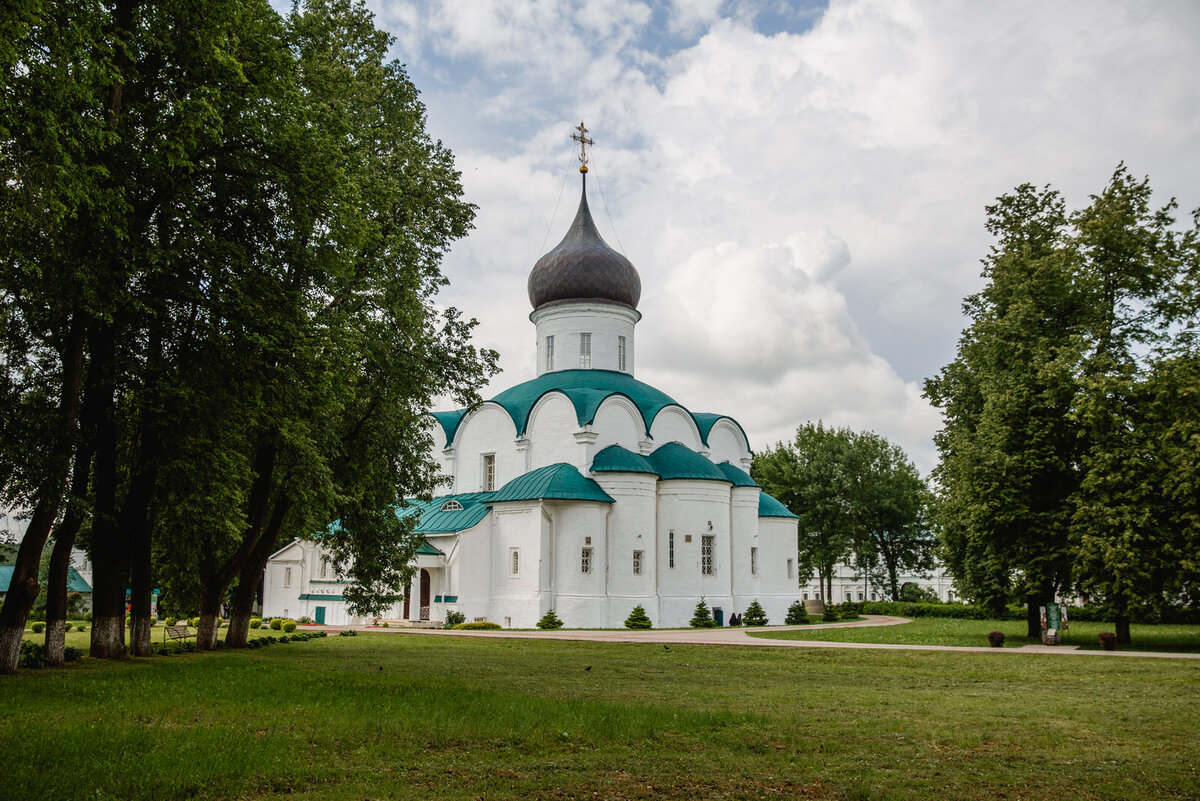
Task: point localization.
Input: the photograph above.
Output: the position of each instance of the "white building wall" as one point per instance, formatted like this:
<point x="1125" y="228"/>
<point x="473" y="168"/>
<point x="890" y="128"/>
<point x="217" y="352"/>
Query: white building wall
<point x="777" y="590"/>
<point x="580" y="599"/>
<point x="689" y="508"/>
<point x="673" y="424"/>
<point x="488" y="430"/>
<point x="553" y="424"/>
<point x="618" y="422"/>
<point x="515" y="597"/>
<point x="604" y="321"/>
<point x="631" y="527"/>
<point x="726" y="443"/>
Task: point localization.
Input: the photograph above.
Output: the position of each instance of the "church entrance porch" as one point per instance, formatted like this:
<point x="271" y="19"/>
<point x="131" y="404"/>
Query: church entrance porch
<point x="426" y="582"/>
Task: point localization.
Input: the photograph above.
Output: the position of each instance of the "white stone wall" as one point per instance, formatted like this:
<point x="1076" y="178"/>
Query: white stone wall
<point x="631" y="527"/>
<point x="551" y="431"/>
<point x="488" y="429"/>
<point x="566" y="321"/>
<point x="673" y="424"/>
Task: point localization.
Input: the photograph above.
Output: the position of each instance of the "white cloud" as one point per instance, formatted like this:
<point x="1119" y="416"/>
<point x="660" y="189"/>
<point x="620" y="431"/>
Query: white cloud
<point x="805" y="209"/>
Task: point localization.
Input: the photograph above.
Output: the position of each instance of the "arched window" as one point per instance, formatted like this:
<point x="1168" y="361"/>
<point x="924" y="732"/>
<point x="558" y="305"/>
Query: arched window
<point x="452" y="506"/>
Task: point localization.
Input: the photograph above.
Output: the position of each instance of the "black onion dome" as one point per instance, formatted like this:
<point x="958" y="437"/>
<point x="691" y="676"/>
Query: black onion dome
<point x="583" y="267"/>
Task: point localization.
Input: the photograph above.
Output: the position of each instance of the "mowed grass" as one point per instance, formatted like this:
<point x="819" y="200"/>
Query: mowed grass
<point x="418" y="716"/>
<point x="945" y="631"/>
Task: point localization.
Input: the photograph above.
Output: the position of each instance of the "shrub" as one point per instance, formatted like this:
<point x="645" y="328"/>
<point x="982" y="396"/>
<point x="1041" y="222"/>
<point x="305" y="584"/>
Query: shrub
<point x="88" y="617"/>
<point x="350" y="633"/>
<point x="996" y="639"/>
<point x="255" y="623"/>
<point x="277" y="623"/>
<point x="479" y="625"/>
<point x="289" y="626"/>
<point x="795" y="614"/>
<point x="170" y="621"/>
<point x="38" y="627"/>
<point x="194" y="622"/>
<point x="453" y="618"/>
<point x="153" y="622"/>
<point x="66" y="626"/>
<point x="831" y="615"/>
<point x="638" y="619"/>
<point x="305" y="620"/>
<point x="1108" y="640"/>
<point x="33" y="654"/>
<point x="80" y="627"/>
<point x="383" y="625"/>
<point x="549" y="621"/>
<point x="702" y="618"/>
<point x="755" y="615"/>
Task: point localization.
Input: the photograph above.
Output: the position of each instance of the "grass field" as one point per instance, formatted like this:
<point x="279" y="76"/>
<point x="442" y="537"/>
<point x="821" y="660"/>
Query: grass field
<point x="944" y="631"/>
<point x="409" y="716"/>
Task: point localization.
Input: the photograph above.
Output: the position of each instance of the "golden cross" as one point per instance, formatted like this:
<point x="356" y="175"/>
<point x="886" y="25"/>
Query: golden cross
<point x="584" y="142"/>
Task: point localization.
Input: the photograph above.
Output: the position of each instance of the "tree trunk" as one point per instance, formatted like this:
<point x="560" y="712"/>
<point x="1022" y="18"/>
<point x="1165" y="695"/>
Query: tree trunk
<point x="249" y="583"/>
<point x="1122" y="624"/>
<point x="56" y="594"/>
<point x="110" y="548"/>
<point x="210" y="615"/>
<point x="1033" y="616"/>
<point x="23" y="585"/>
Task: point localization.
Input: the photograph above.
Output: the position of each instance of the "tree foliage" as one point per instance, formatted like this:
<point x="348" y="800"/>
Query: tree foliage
<point x="855" y="494"/>
<point x="1068" y="409"/>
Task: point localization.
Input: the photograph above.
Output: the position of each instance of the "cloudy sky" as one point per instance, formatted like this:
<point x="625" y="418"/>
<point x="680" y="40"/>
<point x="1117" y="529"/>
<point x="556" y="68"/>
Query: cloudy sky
<point x="801" y="185"/>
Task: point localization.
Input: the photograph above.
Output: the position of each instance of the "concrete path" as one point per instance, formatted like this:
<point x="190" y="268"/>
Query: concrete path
<point x="741" y="636"/>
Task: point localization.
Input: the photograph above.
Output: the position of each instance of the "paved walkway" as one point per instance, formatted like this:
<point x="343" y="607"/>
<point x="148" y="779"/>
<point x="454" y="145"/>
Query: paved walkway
<point x="741" y="636"/>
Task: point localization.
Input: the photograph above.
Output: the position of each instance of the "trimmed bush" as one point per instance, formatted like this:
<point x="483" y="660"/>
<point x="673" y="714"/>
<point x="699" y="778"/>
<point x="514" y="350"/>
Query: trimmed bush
<point x="831" y="615"/>
<point x="304" y="620"/>
<point x="453" y="618"/>
<point x="277" y="623"/>
<point x="384" y="625"/>
<point x="289" y="626"/>
<point x="638" y="619"/>
<point x="66" y="626"/>
<point x="350" y="633"/>
<point x="170" y="621"/>
<point x="796" y="615"/>
<point x="479" y="625"/>
<point x="255" y="623"/>
<point x="80" y="627"/>
<point x="702" y="617"/>
<point x="755" y="615"/>
<point x="37" y="627"/>
<point x="194" y="622"/>
<point x="996" y="639"/>
<point x="549" y="621"/>
<point x="1108" y="640"/>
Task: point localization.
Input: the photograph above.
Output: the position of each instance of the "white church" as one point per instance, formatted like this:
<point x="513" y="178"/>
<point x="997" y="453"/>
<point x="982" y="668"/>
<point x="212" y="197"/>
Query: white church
<point x="583" y="490"/>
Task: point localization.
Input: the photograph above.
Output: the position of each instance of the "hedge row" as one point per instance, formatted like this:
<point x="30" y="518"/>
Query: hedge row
<point x="968" y="612"/>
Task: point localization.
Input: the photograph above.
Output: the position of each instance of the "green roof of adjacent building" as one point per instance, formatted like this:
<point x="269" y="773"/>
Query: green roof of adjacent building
<point x="736" y="475"/>
<point x="615" y="459"/>
<point x="309" y="596"/>
<point x="560" y="482"/>
<point x="769" y="507"/>
<point x="75" y="582"/>
<point x="447" y="514"/>
<point x="676" y="461"/>
<point x="586" y="390"/>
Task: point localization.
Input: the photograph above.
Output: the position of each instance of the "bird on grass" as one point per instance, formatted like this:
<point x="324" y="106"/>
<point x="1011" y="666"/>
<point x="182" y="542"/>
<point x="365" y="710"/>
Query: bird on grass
<point x="586" y="669"/>
<point x="666" y="648"/>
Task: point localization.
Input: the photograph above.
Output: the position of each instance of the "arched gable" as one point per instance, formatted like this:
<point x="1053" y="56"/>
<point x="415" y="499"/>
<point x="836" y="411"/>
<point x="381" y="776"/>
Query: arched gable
<point x="675" y="424"/>
<point x="618" y="422"/>
<point x="551" y="429"/>
<point x="487" y="429"/>
<point x="727" y="442"/>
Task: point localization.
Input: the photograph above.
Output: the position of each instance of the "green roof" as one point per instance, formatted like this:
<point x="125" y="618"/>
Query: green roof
<point x="428" y="550"/>
<point x="587" y="390"/>
<point x="75" y="582"/>
<point x="436" y="520"/>
<point x="554" y="482"/>
<point x="449" y="422"/>
<point x="674" y="460"/>
<point x="737" y="475"/>
<point x="308" y="596"/>
<point x="769" y="507"/>
<point x="615" y="459"/>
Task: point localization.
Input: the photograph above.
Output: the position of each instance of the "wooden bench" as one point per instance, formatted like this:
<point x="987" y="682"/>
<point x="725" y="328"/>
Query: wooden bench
<point x="179" y="632"/>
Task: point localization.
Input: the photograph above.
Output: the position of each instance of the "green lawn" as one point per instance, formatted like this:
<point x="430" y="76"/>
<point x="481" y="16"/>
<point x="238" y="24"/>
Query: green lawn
<point x="410" y="716"/>
<point x="944" y="631"/>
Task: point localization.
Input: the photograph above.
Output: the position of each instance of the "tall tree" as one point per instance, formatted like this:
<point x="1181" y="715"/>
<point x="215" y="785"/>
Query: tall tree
<point x="1009" y="454"/>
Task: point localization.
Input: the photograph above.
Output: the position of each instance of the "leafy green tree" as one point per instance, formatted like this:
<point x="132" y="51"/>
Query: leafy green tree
<point x="638" y="619"/>
<point x="1009" y="452"/>
<point x="914" y="593"/>
<point x="702" y="617"/>
<point x="755" y="615"/>
<point x="855" y="493"/>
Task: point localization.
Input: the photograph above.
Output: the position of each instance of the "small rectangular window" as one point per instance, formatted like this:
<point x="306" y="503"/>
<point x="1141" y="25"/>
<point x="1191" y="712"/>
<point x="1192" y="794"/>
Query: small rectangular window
<point x="514" y="558"/>
<point x="585" y="351"/>
<point x="324" y="566"/>
<point x="754" y="561"/>
<point x="670" y="549"/>
<point x="792" y="572"/>
<point x="287" y="577"/>
<point x="860" y="596"/>
<point x="707" y="564"/>
<point x="621" y="354"/>
<point x="489" y="472"/>
<point x="549" y="353"/>
<point x="805" y="596"/>
<point x="874" y="597"/>
<point x="585" y="561"/>
<point x="637" y="563"/>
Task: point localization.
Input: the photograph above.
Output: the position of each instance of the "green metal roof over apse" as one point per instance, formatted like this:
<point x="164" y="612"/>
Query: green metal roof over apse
<point x="553" y="482"/>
